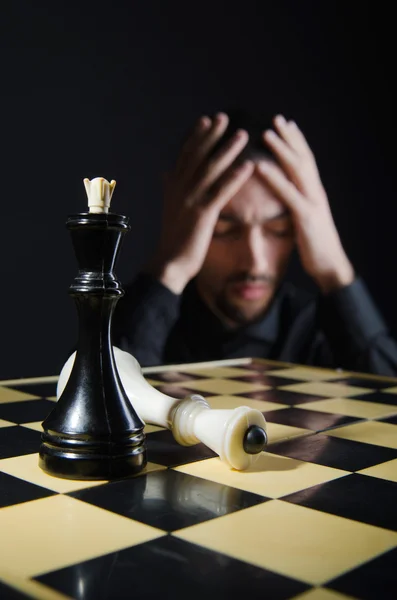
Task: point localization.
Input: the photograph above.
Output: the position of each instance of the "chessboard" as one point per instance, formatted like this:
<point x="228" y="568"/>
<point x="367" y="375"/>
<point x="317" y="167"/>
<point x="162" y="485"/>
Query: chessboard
<point x="314" y="518"/>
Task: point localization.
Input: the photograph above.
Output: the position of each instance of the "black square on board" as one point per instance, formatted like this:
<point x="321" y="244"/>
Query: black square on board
<point x="16" y="441"/>
<point x="374" y="580"/>
<point x="15" y="491"/>
<point x="356" y="497"/>
<point x="170" y="568"/>
<point x="9" y="593"/>
<point x="307" y="419"/>
<point x="163" y="449"/>
<point x="377" y="397"/>
<point x="391" y="420"/>
<point x="264" y="379"/>
<point x="281" y="396"/>
<point x="44" y="390"/>
<point x="168" y="500"/>
<point x="26" y="412"/>
<point x="334" y="452"/>
<point x="370" y="384"/>
<point x="173" y="376"/>
<point x="175" y="391"/>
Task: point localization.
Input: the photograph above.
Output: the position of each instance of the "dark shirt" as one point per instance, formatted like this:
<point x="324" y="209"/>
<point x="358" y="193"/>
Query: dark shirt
<point x="340" y="330"/>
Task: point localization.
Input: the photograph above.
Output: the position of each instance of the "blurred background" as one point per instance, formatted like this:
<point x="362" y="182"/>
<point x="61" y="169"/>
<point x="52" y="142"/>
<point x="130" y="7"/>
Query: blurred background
<point x="110" y="89"/>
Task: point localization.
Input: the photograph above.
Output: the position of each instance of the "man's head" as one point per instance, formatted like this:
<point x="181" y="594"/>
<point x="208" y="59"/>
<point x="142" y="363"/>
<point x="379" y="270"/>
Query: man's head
<point x="252" y="242"/>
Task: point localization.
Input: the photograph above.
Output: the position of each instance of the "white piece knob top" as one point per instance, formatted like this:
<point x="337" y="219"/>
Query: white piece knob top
<point x="99" y="192"/>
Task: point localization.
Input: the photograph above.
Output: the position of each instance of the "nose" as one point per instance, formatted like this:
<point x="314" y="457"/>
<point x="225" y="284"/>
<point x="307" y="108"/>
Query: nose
<point x="254" y="252"/>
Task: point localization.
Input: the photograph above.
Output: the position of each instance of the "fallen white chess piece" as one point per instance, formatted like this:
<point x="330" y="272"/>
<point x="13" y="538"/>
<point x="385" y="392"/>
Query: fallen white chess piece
<point x="237" y="435"/>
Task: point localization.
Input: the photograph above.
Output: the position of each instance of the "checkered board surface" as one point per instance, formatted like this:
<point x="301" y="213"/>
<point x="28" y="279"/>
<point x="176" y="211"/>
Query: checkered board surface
<point x="315" y="518"/>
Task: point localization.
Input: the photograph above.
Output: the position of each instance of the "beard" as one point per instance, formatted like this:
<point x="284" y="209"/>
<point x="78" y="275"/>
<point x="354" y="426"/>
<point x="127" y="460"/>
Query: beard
<point x="239" y="314"/>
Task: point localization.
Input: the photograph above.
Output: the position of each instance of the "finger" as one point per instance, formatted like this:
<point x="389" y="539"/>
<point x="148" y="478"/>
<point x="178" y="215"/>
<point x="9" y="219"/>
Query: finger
<point x="284" y="189"/>
<point x="285" y="155"/>
<point x="199" y="149"/>
<point x="220" y="163"/>
<point x="230" y="184"/>
<point x="201" y="127"/>
<point x="291" y="133"/>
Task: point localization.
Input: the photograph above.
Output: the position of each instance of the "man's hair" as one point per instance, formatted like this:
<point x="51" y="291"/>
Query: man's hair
<point x="255" y="124"/>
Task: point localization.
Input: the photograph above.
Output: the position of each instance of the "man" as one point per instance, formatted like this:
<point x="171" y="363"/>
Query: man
<point x="234" y="210"/>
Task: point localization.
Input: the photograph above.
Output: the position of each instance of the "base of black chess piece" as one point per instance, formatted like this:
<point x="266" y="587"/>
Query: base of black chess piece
<point x="86" y="460"/>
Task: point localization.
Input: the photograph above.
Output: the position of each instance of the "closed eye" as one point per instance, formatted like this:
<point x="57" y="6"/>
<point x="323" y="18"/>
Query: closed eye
<point x="227" y="232"/>
<point x="226" y="226"/>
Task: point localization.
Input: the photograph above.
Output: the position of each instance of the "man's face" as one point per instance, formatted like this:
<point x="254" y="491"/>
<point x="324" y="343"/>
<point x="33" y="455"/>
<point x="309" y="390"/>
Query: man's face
<point x="248" y="254"/>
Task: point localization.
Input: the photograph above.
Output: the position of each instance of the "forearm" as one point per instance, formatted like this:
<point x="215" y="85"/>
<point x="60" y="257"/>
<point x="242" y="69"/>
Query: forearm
<point x="356" y="332"/>
<point x="340" y="274"/>
<point x="169" y="273"/>
<point x="144" y="319"/>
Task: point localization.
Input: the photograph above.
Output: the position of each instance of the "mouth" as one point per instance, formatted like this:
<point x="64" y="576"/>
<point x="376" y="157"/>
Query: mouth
<point x="251" y="291"/>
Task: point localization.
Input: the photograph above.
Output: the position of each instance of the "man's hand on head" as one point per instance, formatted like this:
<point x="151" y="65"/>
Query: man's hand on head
<point x="296" y="181"/>
<point x="196" y="191"/>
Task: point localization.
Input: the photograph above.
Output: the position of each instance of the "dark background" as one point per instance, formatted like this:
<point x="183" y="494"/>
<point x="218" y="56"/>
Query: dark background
<point x="109" y="89"/>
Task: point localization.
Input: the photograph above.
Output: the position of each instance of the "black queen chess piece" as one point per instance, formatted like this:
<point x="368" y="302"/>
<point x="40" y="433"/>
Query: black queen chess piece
<point x="94" y="432"/>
